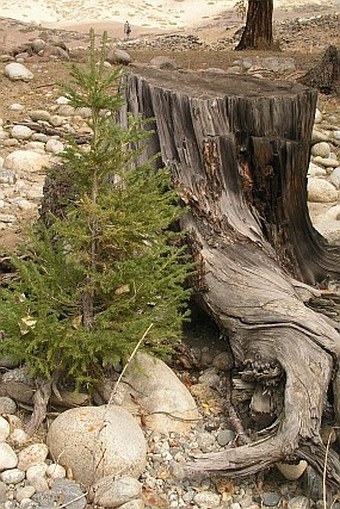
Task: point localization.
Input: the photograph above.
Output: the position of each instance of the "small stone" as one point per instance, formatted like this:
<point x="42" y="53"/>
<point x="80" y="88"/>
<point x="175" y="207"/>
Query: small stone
<point x="54" y="146"/>
<point x="315" y="171"/>
<point x="22" y="204"/>
<point x="63" y="100"/>
<point x="39" y="483"/>
<point x="65" y="491"/>
<point x="37" y="45"/>
<point x="43" y="138"/>
<point x="223" y="361"/>
<point x="8" y="458"/>
<point x="113" y="493"/>
<point x="298" y="503"/>
<point x="40" y="115"/>
<point x="66" y="110"/>
<point x="163" y="62"/>
<point x="27" y="503"/>
<point x="333" y="179"/>
<point x="327" y="162"/>
<point x="3" y="489"/>
<point x="225" y="437"/>
<point x="321" y="149"/>
<point x="4" y="429"/>
<point x="38" y="470"/>
<point x="21" y="132"/>
<point x="7" y="218"/>
<point x="17" y="107"/>
<point x="210" y="378"/>
<point x="235" y="505"/>
<point x="25" y="492"/>
<point x="7" y="405"/>
<point x="56" y="120"/>
<point x="32" y="455"/>
<point x="19" y="437"/>
<point x="83" y="112"/>
<point x="133" y="504"/>
<point x="292" y="472"/>
<point x="207" y="500"/>
<point x="13" y="476"/>
<point x="318" y="116"/>
<point x="55" y="471"/>
<point x="270" y="499"/>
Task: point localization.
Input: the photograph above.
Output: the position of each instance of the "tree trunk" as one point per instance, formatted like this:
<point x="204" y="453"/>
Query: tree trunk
<point x="258" y="32"/>
<point x="238" y="149"/>
<point x="326" y="75"/>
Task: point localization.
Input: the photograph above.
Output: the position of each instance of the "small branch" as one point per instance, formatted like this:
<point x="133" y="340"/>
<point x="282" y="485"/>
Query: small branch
<point x="114" y="390"/>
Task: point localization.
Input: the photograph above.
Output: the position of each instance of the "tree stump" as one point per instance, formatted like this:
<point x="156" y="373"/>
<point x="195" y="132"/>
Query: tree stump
<point x="238" y="149"/>
<point x="325" y="76"/>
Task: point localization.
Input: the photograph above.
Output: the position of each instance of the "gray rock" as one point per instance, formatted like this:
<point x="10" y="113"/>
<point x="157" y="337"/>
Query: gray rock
<point x="223" y="361"/>
<point x="119" y="56"/>
<point x="41" y="137"/>
<point x="210" y="377"/>
<point x="205" y="440"/>
<point x="8" y="458"/>
<point x="225" y="437"/>
<point x="18" y="72"/>
<point x="17" y="107"/>
<point x="54" y="146"/>
<point x="64" y="491"/>
<point x="315" y="171"/>
<point x="98" y="441"/>
<point x="158" y="391"/>
<point x="13" y="476"/>
<point x="299" y="502"/>
<point x="55" y="471"/>
<point x="270" y="499"/>
<point x="38" y="45"/>
<point x="320" y="190"/>
<point x="318" y="136"/>
<point x="38" y="470"/>
<point x="32" y="455"/>
<point x="7" y="405"/>
<point x="83" y="112"/>
<point x="113" y="493"/>
<point x="66" y="110"/>
<point x="207" y="500"/>
<point x="40" y="115"/>
<point x="56" y="120"/>
<point x="163" y="62"/>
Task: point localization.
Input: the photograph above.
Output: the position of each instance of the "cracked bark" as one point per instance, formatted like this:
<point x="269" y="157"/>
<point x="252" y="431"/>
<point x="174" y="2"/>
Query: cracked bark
<point x="238" y="149"/>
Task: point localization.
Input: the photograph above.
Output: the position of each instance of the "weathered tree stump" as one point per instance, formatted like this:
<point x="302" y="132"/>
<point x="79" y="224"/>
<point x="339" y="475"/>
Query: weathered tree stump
<point x="238" y="149"/>
<point x="325" y="76"/>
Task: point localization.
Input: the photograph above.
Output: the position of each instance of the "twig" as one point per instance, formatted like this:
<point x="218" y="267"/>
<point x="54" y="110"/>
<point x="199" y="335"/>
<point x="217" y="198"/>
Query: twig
<point x="128" y="363"/>
<point x="324" y="473"/>
<point x="73" y="500"/>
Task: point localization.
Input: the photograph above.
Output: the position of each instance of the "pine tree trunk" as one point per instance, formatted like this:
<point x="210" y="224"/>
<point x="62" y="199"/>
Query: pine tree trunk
<point x="258" y="32"/>
<point x="238" y="149"/>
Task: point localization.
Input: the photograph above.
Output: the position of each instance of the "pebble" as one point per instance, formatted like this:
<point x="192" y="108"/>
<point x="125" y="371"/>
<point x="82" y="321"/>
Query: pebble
<point x="7" y="405"/>
<point x="32" y="455"/>
<point x="21" y="132"/>
<point x="13" y="476"/>
<point x="270" y="499"/>
<point x="4" y="429"/>
<point x="8" y="458"/>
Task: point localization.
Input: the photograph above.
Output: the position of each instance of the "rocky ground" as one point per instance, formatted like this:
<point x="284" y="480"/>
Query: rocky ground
<point x="35" y="121"/>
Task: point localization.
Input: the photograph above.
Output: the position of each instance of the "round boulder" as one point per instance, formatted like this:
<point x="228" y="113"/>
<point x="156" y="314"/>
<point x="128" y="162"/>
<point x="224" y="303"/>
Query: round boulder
<point x="163" y="63"/>
<point x="26" y="161"/>
<point x="119" y="56"/>
<point x="96" y="442"/>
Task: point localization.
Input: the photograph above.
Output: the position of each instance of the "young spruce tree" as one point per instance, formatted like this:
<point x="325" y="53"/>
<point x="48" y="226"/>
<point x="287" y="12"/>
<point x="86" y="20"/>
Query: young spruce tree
<point x="108" y="267"/>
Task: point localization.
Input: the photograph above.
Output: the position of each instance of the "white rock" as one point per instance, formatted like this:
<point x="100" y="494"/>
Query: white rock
<point x="25" y="492"/>
<point x="7" y="218"/>
<point x="2" y="205"/>
<point x="21" y="132"/>
<point x="4" y="429"/>
<point x="32" y="455"/>
<point x="54" y="146"/>
<point x="43" y="138"/>
<point x="17" y="107"/>
<point x="318" y="116"/>
<point x="22" y="204"/>
<point x="55" y="471"/>
<point x="97" y="441"/>
<point x="335" y="177"/>
<point x="321" y="149"/>
<point x="13" y="476"/>
<point x="8" y="458"/>
<point x="38" y="470"/>
<point x="16" y="71"/>
<point x="62" y="100"/>
<point x="160" y="393"/>
<point x="333" y="213"/>
<point x="320" y="190"/>
<point x="26" y="161"/>
<point x="37" y="146"/>
<point x="318" y="136"/>
<point x="336" y="135"/>
<point x="27" y="503"/>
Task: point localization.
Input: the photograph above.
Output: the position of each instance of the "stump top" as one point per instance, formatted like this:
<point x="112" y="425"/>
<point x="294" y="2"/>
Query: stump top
<point x="206" y="85"/>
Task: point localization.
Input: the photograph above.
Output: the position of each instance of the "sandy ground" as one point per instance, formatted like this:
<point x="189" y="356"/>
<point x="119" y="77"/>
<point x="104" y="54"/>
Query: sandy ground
<point x="144" y="15"/>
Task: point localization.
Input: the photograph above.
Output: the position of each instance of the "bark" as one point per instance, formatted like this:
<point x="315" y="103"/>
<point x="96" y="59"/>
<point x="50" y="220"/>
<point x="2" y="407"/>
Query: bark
<point x="326" y="75"/>
<point x="238" y="149"/>
<point x="258" y="32"/>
